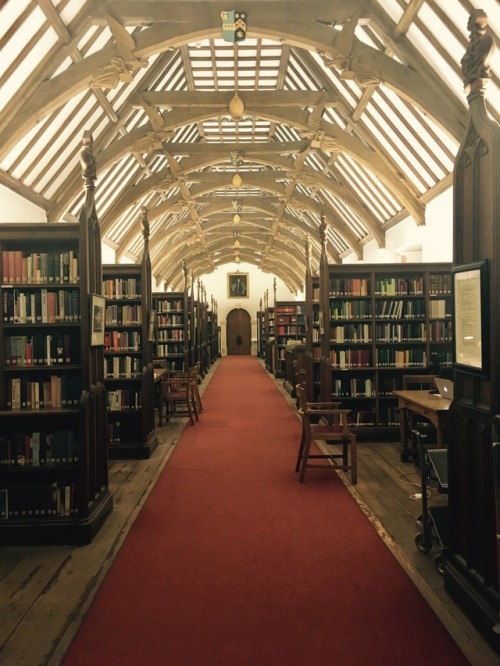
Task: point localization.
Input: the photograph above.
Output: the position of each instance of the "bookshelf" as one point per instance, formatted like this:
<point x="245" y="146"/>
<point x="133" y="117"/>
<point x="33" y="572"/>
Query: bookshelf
<point x="128" y="357"/>
<point x="171" y="322"/>
<point x="289" y="328"/>
<point x="53" y="437"/>
<point x="269" y="339"/>
<point x="381" y="322"/>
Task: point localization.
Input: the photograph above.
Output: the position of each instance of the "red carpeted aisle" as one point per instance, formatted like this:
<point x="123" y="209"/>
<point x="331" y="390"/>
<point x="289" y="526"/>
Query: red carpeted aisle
<point x="233" y="562"/>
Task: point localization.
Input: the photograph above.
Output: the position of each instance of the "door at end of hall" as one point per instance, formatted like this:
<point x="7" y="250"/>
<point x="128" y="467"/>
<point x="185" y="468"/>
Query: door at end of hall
<point x="239" y="332"/>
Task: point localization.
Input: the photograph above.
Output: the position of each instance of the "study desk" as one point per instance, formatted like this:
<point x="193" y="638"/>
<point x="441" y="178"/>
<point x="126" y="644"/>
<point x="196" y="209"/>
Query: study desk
<point x="432" y="406"/>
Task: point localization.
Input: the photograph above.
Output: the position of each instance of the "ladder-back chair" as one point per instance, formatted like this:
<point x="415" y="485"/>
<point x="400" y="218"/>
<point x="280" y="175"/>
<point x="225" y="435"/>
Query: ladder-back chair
<point x="325" y="422"/>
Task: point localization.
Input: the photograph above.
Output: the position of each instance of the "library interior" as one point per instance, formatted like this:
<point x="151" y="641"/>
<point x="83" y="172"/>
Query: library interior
<point x="313" y="184"/>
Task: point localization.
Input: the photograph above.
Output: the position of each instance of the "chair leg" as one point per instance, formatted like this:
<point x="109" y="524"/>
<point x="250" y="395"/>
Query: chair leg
<point x="301" y="451"/>
<point x="305" y="457"/>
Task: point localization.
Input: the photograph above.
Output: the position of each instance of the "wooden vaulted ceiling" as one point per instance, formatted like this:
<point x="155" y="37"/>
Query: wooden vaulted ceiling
<point x="351" y="109"/>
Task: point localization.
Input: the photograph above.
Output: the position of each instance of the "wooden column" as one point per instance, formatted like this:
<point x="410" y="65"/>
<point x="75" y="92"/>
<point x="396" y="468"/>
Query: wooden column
<point x="472" y="573"/>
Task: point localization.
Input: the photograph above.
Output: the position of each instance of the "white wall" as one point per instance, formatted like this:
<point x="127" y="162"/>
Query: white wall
<point x="13" y="208"/>
<point x="407" y="242"/>
<point x="216" y="285"/>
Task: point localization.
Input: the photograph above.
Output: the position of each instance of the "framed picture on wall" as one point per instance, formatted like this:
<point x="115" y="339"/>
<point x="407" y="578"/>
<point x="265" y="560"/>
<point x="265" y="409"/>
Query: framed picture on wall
<point x="471" y="317"/>
<point x="237" y="285"/>
<point x="97" y="314"/>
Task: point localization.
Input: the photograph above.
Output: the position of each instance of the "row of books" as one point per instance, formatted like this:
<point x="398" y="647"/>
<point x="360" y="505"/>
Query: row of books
<point x="356" y="387"/>
<point x="40" y="350"/>
<point x="289" y="310"/>
<point x="350" y="333"/>
<point x="348" y="287"/>
<point x="40" y="306"/>
<point x="440" y="308"/>
<point x="123" y="315"/>
<point x="350" y="309"/>
<point x="439" y="283"/>
<point x="362" y="358"/>
<point x="170" y="349"/>
<point x="120" y="341"/>
<point x="124" y="399"/>
<point x="119" y="288"/>
<point x="122" y="367"/>
<point x="290" y="330"/>
<point x="170" y="320"/>
<point x="401" y="358"/>
<point x="54" y="500"/>
<point x="401" y="309"/>
<point x="20" y="267"/>
<point x="176" y="305"/>
<point x="399" y="286"/>
<point x="35" y="449"/>
<point x="57" y="392"/>
<point x="350" y="358"/>
<point x="170" y="335"/>
<point x="441" y="331"/>
<point x="411" y="332"/>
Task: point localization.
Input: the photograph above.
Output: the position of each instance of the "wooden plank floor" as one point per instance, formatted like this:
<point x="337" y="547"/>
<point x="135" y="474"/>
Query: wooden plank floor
<point x="46" y="591"/>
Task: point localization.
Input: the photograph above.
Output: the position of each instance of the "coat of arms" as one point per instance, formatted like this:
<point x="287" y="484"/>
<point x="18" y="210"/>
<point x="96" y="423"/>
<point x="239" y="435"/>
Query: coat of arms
<point x="234" y="27"/>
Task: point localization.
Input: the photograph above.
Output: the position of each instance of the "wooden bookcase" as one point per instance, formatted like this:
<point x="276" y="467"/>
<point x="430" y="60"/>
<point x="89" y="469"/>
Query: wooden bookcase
<point x="171" y="329"/>
<point x="381" y="322"/>
<point x="128" y="356"/>
<point x="269" y="339"/>
<point x="53" y="434"/>
<point x="289" y="326"/>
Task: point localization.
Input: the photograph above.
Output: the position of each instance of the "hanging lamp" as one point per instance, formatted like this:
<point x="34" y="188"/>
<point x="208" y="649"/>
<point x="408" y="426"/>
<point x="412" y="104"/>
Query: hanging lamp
<point x="237" y="180"/>
<point x="236" y="107"/>
<point x="236" y="218"/>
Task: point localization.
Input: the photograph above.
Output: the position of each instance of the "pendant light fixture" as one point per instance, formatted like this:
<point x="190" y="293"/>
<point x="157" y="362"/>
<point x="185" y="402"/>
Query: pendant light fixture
<point x="236" y="107"/>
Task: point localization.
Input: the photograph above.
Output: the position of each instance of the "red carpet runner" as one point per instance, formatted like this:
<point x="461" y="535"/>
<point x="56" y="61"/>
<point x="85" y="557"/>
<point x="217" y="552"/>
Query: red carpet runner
<point x="233" y="562"/>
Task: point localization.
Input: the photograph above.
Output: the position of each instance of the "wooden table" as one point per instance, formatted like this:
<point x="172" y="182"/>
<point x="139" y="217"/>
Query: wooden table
<point x="432" y="406"/>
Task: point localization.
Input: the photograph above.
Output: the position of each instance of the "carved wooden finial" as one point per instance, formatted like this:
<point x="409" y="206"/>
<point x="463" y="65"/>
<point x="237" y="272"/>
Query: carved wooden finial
<point x="322" y="229"/>
<point x="308" y="249"/>
<point x="476" y="61"/>
<point x="87" y="161"/>
<point x="145" y="223"/>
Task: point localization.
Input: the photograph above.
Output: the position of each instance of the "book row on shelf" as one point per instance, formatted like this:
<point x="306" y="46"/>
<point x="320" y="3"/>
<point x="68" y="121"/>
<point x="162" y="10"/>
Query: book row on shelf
<point x="25" y="267"/>
<point x="41" y="306"/>
<point x="122" y="288"/>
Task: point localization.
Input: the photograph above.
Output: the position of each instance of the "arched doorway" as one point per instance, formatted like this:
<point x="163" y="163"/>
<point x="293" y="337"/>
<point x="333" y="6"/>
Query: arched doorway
<point x="238" y="332"/>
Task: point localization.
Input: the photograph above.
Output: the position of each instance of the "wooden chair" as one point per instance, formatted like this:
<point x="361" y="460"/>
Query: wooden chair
<point x="325" y="422"/>
<point x="415" y="421"/>
<point x="177" y="396"/>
